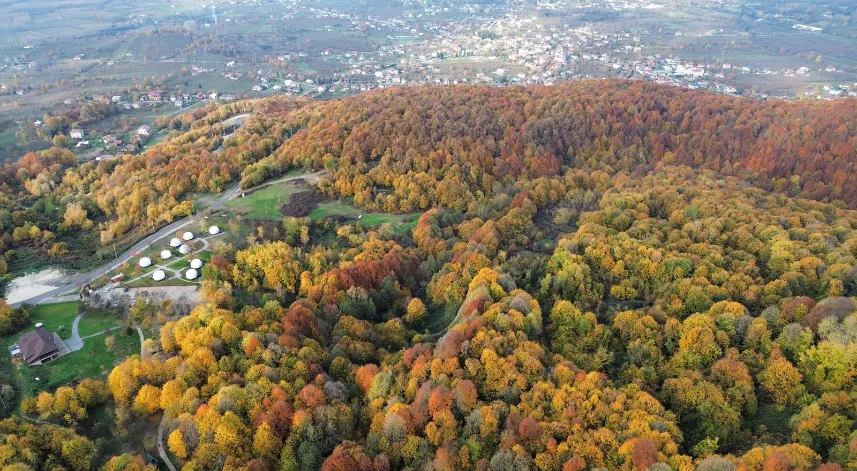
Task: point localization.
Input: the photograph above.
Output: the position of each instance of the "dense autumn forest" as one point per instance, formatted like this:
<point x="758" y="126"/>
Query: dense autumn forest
<point x="408" y="149"/>
<point x="605" y="275"/>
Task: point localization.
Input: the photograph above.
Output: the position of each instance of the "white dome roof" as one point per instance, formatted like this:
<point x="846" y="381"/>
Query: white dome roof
<point x="213" y="230"/>
<point x="187" y="236"/>
<point x="145" y="262"/>
<point x="159" y="275"/>
<point x="175" y="242"/>
<point x="165" y="254"/>
<point x="185" y="249"/>
<point x="191" y="274"/>
<point x="196" y="263"/>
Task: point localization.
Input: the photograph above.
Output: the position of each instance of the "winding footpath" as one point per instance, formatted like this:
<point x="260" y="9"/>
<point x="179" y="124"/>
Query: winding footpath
<point x="161" y="451"/>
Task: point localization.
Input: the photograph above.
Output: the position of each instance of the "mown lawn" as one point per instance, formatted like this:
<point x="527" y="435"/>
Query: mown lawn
<point x="94" y="360"/>
<point x="96" y="321"/>
<point x="55" y="317"/>
<point x="402" y="223"/>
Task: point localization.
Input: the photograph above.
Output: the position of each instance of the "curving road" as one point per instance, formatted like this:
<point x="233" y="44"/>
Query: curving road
<point x="74" y="282"/>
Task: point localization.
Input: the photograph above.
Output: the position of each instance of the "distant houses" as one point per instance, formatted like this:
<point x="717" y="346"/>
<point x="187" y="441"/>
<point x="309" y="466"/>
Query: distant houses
<point x="76" y="134"/>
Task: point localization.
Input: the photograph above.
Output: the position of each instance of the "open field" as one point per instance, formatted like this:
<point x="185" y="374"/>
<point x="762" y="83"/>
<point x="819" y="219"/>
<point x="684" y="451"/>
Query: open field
<point x="95" y="321"/>
<point x="269" y="203"/>
<point x="55" y="317"/>
<point x="264" y="203"/>
<point x="402" y="223"/>
<point x="94" y="360"/>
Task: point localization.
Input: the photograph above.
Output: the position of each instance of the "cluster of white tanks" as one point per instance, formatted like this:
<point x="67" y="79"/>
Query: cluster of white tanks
<point x="193" y="272"/>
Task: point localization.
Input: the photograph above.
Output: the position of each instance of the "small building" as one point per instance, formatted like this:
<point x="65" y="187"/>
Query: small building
<point x="144" y="130"/>
<point x="196" y="263"/>
<point x="214" y="230"/>
<point x="184" y="249"/>
<point x="76" y="133"/>
<point x="187" y="236"/>
<point x="145" y="262"/>
<point x="175" y="242"/>
<point x="165" y="254"/>
<point x="159" y="275"/>
<point x="191" y="274"/>
<point x="38" y="346"/>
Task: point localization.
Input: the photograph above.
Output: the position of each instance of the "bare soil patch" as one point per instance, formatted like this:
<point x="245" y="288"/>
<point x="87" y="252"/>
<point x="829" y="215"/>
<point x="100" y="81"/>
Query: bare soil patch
<point x="300" y="204"/>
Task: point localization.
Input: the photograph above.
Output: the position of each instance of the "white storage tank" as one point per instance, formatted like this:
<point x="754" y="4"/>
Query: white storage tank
<point x="196" y="263"/>
<point x="187" y="236"/>
<point x="159" y="275"/>
<point x="175" y="242"/>
<point x="214" y="230"/>
<point x="145" y="262"/>
<point x="165" y="254"/>
<point x="191" y="274"/>
<point x="184" y="249"/>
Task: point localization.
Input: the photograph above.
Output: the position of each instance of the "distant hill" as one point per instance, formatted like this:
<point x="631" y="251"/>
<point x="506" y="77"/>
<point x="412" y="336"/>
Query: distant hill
<point x="807" y="148"/>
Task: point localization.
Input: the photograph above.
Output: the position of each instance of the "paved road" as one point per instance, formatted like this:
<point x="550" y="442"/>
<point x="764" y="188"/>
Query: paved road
<point x="74" y="282"/>
<point x="75" y="343"/>
<point x="161" y="451"/>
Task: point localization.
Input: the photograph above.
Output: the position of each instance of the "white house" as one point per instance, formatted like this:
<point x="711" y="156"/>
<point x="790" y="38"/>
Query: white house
<point x="196" y="263"/>
<point x="143" y="130"/>
<point x="191" y="274"/>
<point x="145" y="262"/>
<point x="213" y="230"/>
<point x="159" y="275"/>
<point x="184" y="249"/>
<point x="76" y="134"/>
<point x="175" y="242"/>
<point x="187" y="236"/>
<point x="165" y="254"/>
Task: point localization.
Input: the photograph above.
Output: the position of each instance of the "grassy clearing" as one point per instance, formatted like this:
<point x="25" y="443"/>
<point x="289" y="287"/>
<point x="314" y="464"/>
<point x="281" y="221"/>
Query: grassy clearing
<point x="264" y="203"/>
<point x="97" y="321"/>
<point x="402" y="223"/>
<point x="94" y="360"/>
<point x="55" y="317"/>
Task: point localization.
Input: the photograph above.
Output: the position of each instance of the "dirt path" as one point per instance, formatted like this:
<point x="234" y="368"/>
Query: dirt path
<point x="142" y="342"/>
<point x="161" y="451"/>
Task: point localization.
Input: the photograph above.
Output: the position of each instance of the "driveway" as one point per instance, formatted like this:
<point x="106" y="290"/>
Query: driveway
<point x="75" y="343"/>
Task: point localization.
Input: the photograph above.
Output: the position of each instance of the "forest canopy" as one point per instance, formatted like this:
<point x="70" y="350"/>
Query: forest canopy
<point x="604" y="275"/>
